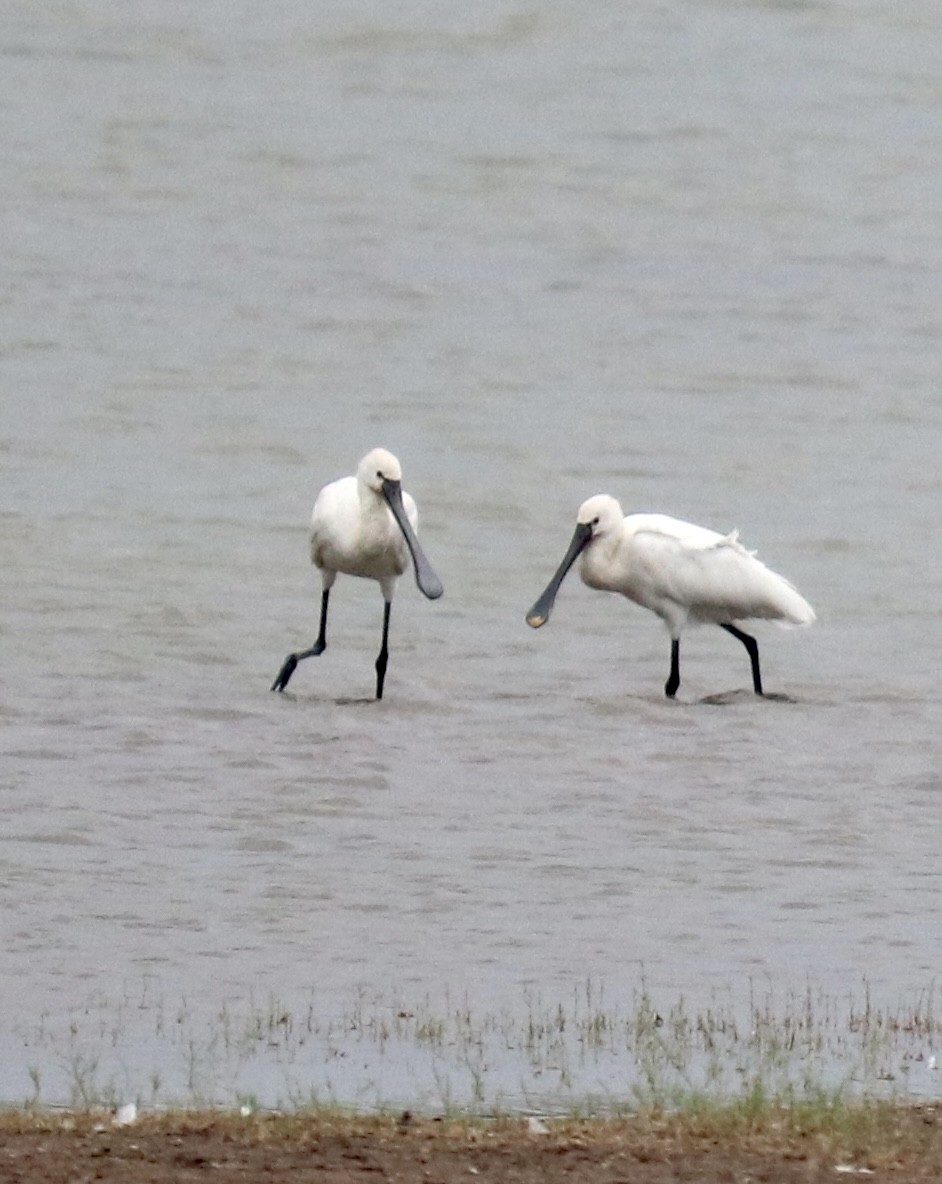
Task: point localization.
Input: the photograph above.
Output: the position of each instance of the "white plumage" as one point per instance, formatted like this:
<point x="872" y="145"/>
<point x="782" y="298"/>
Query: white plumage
<point x="365" y="526"/>
<point x="686" y="574"/>
<point x="353" y="530"/>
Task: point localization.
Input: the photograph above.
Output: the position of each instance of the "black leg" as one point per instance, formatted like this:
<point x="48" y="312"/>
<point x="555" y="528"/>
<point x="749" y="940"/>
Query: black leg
<point x="284" y="674"/>
<point x="752" y="648"/>
<point x="673" y="681"/>
<point x="384" y="652"/>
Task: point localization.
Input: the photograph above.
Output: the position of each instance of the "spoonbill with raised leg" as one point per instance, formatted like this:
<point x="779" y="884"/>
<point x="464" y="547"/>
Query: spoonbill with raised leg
<point x="686" y="574"/>
<point x="365" y="526"/>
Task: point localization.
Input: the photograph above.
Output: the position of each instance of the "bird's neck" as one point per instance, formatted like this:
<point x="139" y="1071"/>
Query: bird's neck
<point x="596" y="560"/>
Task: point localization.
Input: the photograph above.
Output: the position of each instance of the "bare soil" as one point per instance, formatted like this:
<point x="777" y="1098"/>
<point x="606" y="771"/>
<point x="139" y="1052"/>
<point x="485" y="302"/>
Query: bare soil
<point x="902" y="1145"/>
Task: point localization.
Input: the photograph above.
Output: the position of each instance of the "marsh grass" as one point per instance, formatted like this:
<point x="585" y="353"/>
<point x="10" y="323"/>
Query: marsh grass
<point x="588" y="1055"/>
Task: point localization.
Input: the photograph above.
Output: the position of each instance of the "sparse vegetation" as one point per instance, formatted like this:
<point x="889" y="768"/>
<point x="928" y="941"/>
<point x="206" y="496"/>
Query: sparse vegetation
<point x="585" y="1056"/>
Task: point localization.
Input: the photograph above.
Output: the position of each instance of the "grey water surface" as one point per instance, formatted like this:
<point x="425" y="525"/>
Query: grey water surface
<point x="687" y="252"/>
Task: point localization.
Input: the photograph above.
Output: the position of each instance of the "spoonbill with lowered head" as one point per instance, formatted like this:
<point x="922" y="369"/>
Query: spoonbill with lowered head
<point x="684" y="573"/>
<point x="365" y="526"/>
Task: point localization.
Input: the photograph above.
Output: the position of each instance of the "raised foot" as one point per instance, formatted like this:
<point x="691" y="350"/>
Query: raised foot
<point x="284" y="674"/>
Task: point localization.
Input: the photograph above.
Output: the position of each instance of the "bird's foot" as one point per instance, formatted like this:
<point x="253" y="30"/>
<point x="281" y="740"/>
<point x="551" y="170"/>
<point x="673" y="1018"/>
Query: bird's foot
<point x="725" y="698"/>
<point x="284" y="674"/>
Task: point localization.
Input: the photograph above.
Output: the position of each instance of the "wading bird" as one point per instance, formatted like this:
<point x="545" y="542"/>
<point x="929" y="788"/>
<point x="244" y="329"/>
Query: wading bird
<point x="365" y="526"/>
<point x="684" y="573"/>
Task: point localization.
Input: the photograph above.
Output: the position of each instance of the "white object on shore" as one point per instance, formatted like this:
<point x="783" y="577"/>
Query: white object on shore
<point x="125" y="1115"/>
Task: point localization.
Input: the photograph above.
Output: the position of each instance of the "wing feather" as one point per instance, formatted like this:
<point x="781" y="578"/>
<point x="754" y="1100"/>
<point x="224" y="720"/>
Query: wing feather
<point x="712" y="576"/>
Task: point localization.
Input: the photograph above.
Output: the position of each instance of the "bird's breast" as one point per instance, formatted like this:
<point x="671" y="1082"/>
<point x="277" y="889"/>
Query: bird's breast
<point x="601" y="568"/>
<point x="368" y="545"/>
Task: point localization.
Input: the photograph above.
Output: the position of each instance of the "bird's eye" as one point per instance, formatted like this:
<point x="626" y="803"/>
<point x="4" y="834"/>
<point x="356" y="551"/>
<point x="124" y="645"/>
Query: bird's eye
<point x="595" y="520"/>
<point x="379" y="473"/>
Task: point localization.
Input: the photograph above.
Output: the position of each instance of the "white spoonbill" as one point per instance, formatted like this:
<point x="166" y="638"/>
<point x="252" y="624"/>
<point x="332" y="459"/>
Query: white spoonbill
<point x="365" y="526"/>
<point x="684" y="573"/>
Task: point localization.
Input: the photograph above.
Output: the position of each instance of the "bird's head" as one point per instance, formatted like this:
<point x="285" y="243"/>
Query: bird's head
<point x="600" y="514"/>
<point x="377" y="468"/>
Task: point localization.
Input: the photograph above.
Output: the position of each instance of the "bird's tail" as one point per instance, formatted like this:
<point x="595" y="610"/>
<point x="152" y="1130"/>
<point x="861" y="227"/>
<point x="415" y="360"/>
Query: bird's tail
<point x="795" y="610"/>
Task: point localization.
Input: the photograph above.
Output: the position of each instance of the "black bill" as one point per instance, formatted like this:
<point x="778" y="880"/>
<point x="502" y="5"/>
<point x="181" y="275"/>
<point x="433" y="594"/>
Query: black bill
<point x="425" y="577"/>
<point x="539" y="614"/>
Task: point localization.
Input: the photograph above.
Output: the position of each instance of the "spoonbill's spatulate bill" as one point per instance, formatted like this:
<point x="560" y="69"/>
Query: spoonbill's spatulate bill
<point x="365" y="526"/>
<point x="684" y="573"/>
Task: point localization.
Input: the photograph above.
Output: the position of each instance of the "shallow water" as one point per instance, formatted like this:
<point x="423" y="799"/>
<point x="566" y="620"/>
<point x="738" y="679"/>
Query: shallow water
<point x="688" y="255"/>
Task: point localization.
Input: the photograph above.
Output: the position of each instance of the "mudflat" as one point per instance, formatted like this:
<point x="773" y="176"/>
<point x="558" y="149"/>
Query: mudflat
<point x="902" y="1144"/>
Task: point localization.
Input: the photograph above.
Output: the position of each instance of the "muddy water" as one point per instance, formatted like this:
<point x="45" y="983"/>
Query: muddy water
<point x="688" y="255"/>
